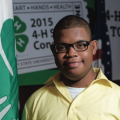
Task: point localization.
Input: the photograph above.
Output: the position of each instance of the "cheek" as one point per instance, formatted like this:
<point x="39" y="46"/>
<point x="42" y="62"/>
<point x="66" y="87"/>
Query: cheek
<point x="59" y="59"/>
<point x="87" y="57"/>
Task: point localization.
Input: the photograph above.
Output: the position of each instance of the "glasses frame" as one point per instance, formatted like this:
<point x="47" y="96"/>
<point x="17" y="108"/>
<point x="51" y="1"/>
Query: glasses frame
<point x="71" y="45"/>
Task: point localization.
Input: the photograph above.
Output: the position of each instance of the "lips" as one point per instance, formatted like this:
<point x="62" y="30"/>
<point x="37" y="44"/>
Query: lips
<point x="72" y="64"/>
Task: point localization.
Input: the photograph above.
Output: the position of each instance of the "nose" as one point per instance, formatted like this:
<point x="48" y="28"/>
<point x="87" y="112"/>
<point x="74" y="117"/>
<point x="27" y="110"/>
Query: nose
<point x="71" y="52"/>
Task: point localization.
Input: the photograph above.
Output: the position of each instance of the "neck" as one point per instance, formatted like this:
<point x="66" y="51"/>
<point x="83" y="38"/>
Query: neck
<point x="81" y="82"/>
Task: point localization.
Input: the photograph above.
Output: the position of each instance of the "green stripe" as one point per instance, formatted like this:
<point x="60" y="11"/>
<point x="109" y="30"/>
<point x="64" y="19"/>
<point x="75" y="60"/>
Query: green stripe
<point x="36" y="78"/>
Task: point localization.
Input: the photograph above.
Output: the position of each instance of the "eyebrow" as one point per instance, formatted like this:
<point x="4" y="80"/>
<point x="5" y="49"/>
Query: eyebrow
<point x="74" y="42"/>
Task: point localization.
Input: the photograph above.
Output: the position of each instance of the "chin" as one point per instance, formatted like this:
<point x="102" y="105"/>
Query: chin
<point x="73" y="77"/>
<point x="74" y="74"/>
<point x="71" y="73"/>
<point x="74" y="71"/>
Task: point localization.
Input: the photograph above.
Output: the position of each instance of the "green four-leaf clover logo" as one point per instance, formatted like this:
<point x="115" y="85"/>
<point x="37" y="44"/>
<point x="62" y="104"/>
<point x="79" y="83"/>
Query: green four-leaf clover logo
<point x="21" y="39"/>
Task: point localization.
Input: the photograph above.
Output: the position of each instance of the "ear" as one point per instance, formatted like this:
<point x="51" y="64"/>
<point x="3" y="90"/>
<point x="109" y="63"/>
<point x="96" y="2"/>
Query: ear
<point x="94" y="46"/>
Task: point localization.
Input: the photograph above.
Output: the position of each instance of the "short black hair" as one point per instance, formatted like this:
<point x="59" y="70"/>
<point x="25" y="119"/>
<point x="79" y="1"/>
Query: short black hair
<point x="72" y="21"/>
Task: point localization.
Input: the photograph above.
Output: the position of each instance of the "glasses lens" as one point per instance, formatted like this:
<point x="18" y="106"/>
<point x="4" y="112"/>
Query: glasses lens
<point x="62" y="47"/>
<point x="81" y="46"/>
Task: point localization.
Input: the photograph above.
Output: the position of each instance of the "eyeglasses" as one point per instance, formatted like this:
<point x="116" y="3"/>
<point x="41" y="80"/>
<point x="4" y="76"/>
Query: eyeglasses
<point x="78" y="46"/>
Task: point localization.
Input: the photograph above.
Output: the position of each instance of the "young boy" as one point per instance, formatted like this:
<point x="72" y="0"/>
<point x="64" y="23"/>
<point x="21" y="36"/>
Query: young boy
<point x="78" y="92"/>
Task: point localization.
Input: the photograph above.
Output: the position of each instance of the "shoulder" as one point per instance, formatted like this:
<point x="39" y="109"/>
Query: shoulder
<point x="44" y="91"/>
<point x="37" y="99"/>
<point x="115" y="88"/>
<point x="41" y="93"/>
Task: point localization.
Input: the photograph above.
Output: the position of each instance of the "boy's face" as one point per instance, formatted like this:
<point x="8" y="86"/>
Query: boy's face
<point x="74" y="65"/>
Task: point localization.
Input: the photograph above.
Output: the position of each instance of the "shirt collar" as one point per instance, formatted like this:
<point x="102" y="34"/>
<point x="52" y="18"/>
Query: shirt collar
<point x="100" y="77"/>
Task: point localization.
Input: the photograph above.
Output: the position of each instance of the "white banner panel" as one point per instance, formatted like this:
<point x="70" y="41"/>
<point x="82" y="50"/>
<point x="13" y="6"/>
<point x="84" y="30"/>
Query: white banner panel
<point x="113" y="22"/>
<point x="34" y="23"/>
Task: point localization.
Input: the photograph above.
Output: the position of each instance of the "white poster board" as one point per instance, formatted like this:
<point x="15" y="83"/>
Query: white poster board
<point x="113" y="22"/>
<point x="34" y="23"/>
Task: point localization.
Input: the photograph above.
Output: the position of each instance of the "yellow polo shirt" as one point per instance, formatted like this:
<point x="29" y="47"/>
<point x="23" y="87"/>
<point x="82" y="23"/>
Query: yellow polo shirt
<point x="99" y="101"/>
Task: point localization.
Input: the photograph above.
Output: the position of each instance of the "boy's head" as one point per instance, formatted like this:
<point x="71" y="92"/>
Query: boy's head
<point x="72" y="21"/>
<point x="73" y="49"/>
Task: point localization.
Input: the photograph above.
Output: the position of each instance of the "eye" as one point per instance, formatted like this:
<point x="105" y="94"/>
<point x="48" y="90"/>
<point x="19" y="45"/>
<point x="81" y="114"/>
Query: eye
<point x="80" y="45"/>
<point x="61" y="47"/>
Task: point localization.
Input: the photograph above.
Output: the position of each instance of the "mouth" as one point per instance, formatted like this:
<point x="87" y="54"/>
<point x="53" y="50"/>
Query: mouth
<point x="72" y="64"/>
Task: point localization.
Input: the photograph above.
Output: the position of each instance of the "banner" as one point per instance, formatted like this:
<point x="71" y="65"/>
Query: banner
<point x="8" y="68"/>
<point x="34" y="23"/>
<point x="113" y="23"/>
<point x="103" y="57"/>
